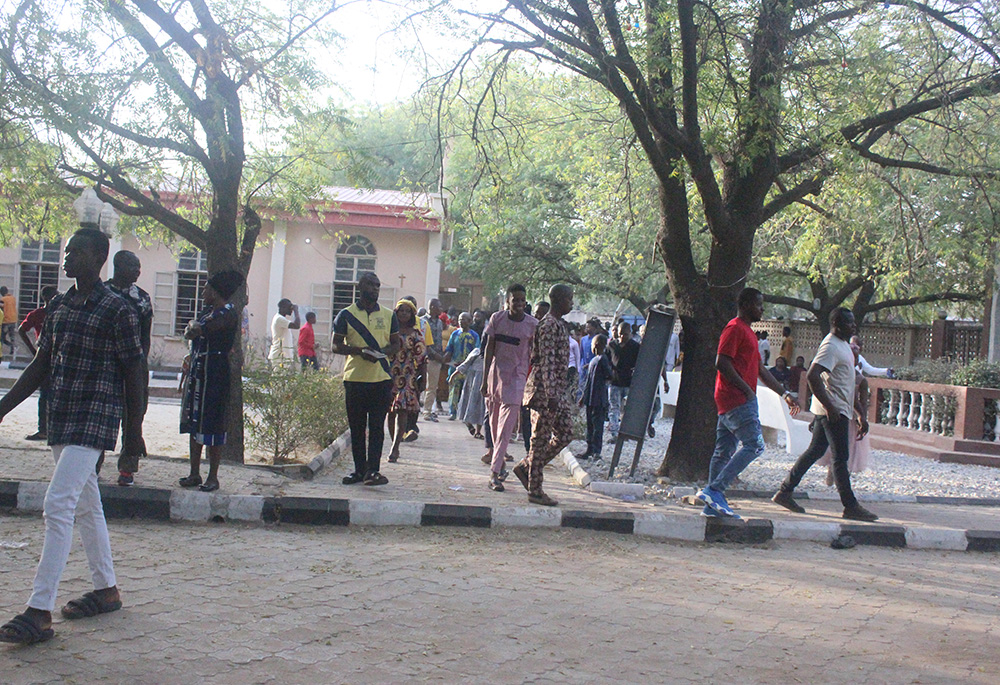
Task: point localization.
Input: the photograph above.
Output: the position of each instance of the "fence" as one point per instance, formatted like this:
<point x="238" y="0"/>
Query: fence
<point x="945" y="422"/>
<point x="893" y="345"/>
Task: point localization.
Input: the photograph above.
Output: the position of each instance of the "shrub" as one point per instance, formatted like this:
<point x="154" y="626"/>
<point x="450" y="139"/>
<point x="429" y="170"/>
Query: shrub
<point x="978" y="374"/>
<point x="287" y="409"/>
<point x="928" y="371"/>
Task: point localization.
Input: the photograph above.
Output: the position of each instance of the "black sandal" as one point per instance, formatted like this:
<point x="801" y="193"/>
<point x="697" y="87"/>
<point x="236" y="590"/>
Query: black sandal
<point x="352" y="479"/>
<point x="209" y="487"/>
<point x="21" y="630"/>
<point x="190" y="481"/>
<point x="88" y="606"/>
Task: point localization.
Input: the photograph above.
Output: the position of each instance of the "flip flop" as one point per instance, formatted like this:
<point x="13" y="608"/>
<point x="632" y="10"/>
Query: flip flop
<point x="21" y="630"/>
<point x="88" y="606"/>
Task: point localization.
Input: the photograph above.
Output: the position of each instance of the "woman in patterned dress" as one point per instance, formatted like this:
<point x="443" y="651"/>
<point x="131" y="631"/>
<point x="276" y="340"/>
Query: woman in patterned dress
<point x="206" y="392"/>
<point x="405" y="368"/>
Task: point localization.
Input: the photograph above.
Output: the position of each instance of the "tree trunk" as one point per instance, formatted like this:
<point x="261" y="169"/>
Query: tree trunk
<point x="221" y="244"/>
<point x="693" y="439"/>
<point x="704" y="312"/>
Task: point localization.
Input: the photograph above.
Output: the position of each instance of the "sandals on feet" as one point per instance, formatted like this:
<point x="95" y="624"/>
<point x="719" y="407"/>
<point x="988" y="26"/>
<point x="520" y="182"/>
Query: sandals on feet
<point x="190" y="481"/>
<point x="88" y="606"/>
<point x="209" y="487"/>
<point x="21" y="630"/>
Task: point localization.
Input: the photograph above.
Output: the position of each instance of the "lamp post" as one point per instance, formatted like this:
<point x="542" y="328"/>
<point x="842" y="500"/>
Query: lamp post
<point x="93" y="213"/>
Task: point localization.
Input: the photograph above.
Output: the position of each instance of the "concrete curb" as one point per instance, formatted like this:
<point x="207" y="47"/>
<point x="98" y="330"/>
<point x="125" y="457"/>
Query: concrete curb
<point x="577" y="472"/>
<point x="318" y="463"/>
<point x="185" y="505"/>
<point x="826" y="495"/>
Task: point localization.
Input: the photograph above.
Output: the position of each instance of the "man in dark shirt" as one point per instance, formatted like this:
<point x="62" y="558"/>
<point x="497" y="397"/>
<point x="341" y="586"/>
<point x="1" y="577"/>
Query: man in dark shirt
<point x="33" y="322"/>
<point x="90" y="351"/>
<point x="127" y="270"/>
<point x="623" y="352"/>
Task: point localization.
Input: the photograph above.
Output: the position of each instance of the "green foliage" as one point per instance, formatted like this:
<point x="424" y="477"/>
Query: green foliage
<point x="34" y="201"/>
<point x="929" y="371"/>
<point x="287" y="409"/>
<point x="978" y="374"/>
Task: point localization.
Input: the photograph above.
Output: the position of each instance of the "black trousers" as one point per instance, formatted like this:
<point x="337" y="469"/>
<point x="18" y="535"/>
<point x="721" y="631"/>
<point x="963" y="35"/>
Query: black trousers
<point x="596" y="417"/>
<point x="367" y="405"/>
<point x="826" y="435"/>
<point x="526" y="428"/>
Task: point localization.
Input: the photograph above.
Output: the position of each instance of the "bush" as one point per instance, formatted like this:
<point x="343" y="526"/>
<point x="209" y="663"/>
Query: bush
<point x="978" y="374"/>
<point x="929" y="371"/>
<point x="287" y="409"/>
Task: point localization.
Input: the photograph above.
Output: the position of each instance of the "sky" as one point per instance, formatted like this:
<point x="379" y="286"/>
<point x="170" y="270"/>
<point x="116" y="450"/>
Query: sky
<point x="379" y="65"/>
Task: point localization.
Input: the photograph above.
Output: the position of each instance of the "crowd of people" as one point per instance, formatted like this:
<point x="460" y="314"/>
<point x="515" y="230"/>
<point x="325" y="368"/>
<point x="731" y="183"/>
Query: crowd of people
<point x="515" y="371"/>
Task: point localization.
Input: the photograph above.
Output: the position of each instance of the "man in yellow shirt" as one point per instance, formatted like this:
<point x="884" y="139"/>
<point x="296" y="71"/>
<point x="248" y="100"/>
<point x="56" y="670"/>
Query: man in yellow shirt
<point x="9" y="319"/>
<point x="367" y="334"/>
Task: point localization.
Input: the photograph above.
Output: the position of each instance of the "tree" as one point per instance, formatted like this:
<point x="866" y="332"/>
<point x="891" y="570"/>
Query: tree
<point x="743" y="110"/>
<point x="880" y="240"/>
<point x="149" y="103"/>
<point x="541" y="192"/>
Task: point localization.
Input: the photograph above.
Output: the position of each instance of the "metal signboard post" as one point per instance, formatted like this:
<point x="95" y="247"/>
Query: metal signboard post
<point x="645" y="383"/>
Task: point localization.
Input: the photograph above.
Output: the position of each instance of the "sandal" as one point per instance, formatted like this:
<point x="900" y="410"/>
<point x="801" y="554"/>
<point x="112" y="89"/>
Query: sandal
<point x="209" y="487"/>
<point x="21" y="630"/>
<point x="472" y="430"/>
<point x="190" y="481"/>
<point x="88" y="606"/>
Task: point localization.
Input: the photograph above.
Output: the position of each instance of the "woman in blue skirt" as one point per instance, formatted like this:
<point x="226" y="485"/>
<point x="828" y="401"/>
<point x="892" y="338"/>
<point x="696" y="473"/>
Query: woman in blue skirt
<point x="206" y="392"/>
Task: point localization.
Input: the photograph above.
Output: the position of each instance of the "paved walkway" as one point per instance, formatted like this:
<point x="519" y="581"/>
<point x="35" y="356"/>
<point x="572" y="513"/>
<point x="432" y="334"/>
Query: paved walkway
<point x="249" y="604"/>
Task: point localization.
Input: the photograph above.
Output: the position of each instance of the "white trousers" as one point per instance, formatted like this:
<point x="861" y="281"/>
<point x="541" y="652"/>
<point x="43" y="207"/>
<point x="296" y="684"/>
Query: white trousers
<point x="72" y="493"/>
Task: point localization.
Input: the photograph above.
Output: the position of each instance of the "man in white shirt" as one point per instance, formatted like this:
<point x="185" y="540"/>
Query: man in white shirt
<point x="866" y="368"/>
<point x="831" y="379"/>
<point x="282" y="345"/>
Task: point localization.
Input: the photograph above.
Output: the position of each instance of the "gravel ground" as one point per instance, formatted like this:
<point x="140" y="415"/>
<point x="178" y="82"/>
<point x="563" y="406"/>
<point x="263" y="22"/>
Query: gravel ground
<point x="892" y="473"/>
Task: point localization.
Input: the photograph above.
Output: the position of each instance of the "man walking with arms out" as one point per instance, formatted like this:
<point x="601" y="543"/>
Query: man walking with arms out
<point x="368" y="334"/>
<point x="738" y="365"/>
<point x="545" y="394"/>
<point x="505" y="371"/>
<point x="831" y="379"/>
<point x="90" y="351"/>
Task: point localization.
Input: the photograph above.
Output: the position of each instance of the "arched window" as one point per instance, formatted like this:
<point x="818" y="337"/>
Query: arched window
<point x="355" y="255"/>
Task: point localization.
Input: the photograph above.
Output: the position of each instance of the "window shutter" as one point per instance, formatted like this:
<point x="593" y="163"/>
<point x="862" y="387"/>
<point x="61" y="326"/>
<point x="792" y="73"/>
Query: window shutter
<point x="321" y="302"/>
<point x="163" y="303"/>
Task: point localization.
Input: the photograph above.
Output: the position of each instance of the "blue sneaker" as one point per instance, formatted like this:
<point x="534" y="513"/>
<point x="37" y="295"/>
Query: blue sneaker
<point x="709" y="512"/>
<point x="716" y="500"/>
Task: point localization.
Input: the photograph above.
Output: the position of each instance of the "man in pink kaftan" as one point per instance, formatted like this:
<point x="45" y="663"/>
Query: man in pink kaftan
<point x="506" y="362"/>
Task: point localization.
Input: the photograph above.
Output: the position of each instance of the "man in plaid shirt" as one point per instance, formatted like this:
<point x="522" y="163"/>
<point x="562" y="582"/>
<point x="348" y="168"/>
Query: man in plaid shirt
<point x="90" y="352"/>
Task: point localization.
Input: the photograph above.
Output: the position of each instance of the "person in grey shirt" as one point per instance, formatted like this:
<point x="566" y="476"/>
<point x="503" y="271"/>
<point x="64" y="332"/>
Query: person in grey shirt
<point x="831" y="379"/>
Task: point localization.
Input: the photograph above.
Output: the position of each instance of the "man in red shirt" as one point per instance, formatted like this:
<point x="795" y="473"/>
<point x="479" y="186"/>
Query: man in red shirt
<point x="33" y="322"/>
<point x="307" y="343"/>
<point x="739" y="366"/>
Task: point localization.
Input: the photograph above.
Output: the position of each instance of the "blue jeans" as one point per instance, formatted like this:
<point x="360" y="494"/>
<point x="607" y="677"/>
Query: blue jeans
<point x="617" y="396"/>
<point x="739" y="425"/>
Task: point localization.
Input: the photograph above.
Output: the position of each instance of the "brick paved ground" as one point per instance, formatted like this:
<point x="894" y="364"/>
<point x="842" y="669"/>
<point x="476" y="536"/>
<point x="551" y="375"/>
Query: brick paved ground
<point x="232" y="604"/>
